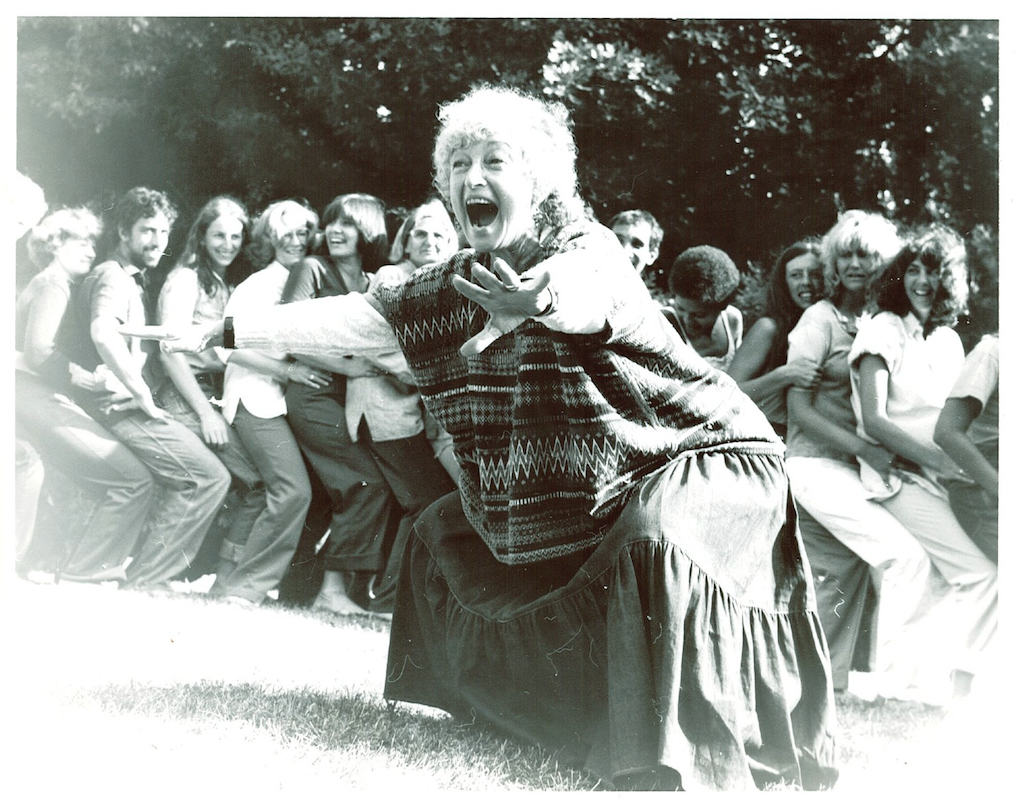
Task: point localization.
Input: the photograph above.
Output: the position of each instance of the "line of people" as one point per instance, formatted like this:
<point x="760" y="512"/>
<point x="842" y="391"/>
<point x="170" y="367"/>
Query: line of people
<point x="620" y="575"/>
<point x="305" y="473"/>
<point x="892" y="437"/>
<point x="299" y="476"/>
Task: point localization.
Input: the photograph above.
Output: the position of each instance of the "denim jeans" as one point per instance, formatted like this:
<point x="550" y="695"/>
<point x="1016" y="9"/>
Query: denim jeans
<point x="275" y="535"/>
<point x="191" y="486"/>
<point x="245" y="478"/>
<point x="75" y="444"/>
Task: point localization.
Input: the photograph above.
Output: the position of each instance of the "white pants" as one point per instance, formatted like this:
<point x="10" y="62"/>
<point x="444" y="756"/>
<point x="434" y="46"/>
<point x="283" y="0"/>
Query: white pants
<point x="914" y="598"/>
<point x="973" y="575"/>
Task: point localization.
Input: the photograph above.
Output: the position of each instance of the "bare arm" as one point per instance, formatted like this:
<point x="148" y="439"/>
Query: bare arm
<point x="951" y="436"/>
<point x="280" y="370"/>
<point x="800" y="404"/>
<point x="750" y="360"/>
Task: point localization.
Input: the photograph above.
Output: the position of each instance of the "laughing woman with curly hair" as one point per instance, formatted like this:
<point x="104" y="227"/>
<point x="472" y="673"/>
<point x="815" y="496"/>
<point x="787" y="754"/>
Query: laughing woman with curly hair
<point x="619" y="577"/>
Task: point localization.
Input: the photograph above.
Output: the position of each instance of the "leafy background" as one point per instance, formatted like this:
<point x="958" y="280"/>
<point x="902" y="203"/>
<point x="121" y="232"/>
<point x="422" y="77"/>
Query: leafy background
<point x="745" y="134"/>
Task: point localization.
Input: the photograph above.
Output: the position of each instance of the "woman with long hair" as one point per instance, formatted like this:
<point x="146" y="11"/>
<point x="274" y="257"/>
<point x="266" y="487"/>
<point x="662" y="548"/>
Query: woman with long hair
<point x="760" y="365"/>
<point x="63" y="245"/>
<point x="196" y="290"/>
<point x="904" y="362"/>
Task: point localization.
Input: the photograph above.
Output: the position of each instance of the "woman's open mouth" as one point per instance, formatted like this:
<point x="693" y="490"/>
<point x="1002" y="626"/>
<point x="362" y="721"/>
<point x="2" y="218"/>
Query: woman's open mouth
<point x="481" y="212"/>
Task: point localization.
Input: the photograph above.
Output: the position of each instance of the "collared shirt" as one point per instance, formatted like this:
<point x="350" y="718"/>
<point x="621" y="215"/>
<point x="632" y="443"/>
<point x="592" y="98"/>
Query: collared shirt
<point x="823" y="336"/>
<point x="112" y="289"/>
<point x="262" y="395"/>
<point x="922" y="371"/>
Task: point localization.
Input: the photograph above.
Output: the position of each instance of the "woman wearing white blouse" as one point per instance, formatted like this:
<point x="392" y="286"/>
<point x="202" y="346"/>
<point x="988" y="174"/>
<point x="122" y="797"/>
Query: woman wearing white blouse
<point x="254" y="404"/>
<point x="904" y="363"/>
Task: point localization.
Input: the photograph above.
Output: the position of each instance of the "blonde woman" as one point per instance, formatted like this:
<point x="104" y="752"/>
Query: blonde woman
<point x="63" y="245"/>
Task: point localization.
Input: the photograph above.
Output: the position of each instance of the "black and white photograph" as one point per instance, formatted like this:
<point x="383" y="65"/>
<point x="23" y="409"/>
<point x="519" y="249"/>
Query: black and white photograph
<point x="481" y="404"/>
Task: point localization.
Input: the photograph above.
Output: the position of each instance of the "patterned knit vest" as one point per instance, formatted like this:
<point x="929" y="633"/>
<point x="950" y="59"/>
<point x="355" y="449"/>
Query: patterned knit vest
<point x="552" y="430"/>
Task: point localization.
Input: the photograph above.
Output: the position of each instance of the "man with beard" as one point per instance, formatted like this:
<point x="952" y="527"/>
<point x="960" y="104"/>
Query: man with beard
<point x="114" y="390"/>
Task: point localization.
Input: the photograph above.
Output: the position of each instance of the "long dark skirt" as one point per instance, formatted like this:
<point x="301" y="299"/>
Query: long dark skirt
<point x="687" y="643"/>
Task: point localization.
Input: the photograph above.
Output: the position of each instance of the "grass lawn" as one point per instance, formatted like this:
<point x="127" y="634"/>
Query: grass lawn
<point x="130" y="699"/>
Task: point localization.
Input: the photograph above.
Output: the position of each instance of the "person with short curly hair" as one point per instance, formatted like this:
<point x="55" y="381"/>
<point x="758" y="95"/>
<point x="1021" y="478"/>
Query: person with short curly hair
<point x="619" y="577"/>
<point x="702" y="283"/>
<point x="63" y="246"/>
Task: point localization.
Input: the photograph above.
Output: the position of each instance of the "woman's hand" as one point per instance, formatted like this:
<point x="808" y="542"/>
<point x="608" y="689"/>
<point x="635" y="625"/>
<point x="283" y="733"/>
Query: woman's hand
<point x="803" y="373"/>
<point x="509" y="300"/>
<point x="301" y="373"/>
<point x="215" y="429"/>
<point x="880" y="459"/>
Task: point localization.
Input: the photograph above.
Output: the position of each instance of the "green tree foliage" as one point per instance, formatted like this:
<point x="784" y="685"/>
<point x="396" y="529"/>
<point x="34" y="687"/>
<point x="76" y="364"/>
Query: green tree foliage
<point x="746" y="134"/>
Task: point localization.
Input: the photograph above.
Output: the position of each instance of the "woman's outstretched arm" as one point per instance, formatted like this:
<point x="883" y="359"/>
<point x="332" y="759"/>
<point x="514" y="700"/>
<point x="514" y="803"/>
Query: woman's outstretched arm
<point x="752" y="356"/>
<point x="344" y="325"/>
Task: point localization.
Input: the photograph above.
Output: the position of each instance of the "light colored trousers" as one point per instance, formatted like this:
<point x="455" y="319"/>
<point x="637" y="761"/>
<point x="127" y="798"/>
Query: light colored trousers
<point x="937" y="593"/>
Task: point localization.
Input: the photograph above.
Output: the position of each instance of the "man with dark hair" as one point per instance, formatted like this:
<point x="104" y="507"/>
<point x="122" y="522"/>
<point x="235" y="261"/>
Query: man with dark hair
<point x="116" y="393"/>
<point x="640" y="236"/>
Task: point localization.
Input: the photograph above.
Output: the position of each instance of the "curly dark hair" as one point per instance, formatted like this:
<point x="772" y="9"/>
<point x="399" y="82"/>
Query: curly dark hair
<point x="940" y="249"/>
<point x="141" y="203"/>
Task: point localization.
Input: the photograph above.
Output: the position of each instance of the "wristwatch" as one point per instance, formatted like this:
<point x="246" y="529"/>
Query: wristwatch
<point x="229" y="332"/>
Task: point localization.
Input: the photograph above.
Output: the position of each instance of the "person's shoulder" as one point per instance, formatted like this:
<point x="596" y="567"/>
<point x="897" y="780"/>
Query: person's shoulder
<point x="180" y="276"/>
<point x="108" y="273"/>
<point x="889" y="320"/>
<point x="763" y="328"/>
<point x="986" y="351"/>
<point x="389" y="274"/>
<point x="182" y="272"/>
<point x="581" y="232"/>
<point x="821" y="311"/>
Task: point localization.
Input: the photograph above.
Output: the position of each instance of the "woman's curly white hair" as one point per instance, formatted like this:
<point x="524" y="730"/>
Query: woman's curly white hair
<point x="539" y="130"/>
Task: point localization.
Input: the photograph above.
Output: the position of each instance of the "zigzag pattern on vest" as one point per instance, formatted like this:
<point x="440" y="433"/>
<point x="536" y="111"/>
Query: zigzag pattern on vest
<point x="562" y="456"/>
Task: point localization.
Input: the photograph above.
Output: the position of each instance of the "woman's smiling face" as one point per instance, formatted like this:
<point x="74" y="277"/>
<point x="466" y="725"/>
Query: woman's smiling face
<point x="491" y="194"/>
<point x="921" y="283"/>
<point x="292" y="244"/>
<point x="223" y="240"/>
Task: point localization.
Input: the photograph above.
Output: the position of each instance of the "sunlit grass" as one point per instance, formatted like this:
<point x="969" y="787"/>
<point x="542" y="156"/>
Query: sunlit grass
<point x="236" y="704"/>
